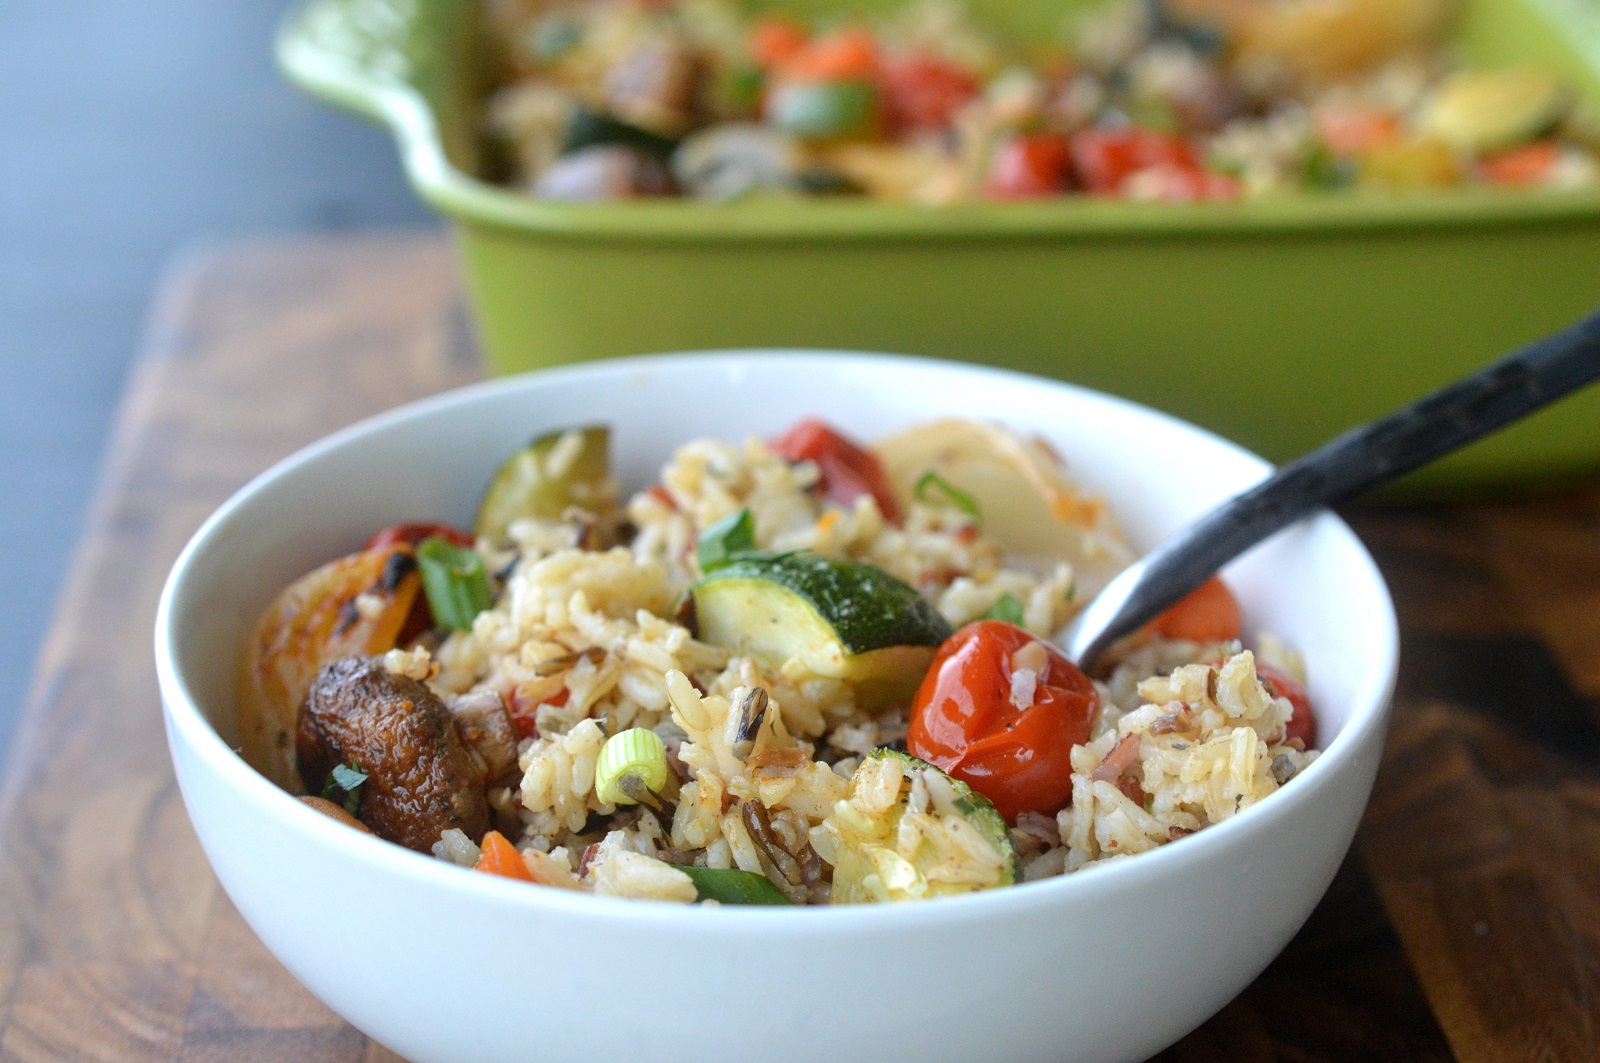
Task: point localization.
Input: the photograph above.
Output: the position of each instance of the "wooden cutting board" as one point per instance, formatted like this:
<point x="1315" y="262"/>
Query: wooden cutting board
<point x="1466" y="925"/>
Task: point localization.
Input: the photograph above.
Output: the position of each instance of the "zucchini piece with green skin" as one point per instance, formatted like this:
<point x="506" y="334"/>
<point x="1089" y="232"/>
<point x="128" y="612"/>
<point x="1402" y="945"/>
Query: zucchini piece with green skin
<point x="873" y="864"/>
<point x="812" y="615"/>
<point x="527" y="486"/>
<point x="588" y="128"/>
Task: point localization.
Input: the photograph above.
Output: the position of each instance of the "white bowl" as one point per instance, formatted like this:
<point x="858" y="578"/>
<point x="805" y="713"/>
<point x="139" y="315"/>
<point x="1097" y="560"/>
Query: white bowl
<point x="1111" y="963"/>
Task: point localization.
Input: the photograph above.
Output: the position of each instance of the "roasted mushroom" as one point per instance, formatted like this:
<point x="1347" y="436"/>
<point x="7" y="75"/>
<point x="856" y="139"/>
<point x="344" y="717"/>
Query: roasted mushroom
<point x="421" y="777"/>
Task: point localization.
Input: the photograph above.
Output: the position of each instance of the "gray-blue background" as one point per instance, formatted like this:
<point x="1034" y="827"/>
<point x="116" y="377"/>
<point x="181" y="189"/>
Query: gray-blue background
<point x="128" y="133"/>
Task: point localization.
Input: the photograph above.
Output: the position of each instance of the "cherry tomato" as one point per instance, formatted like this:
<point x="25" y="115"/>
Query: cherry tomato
<point x="1303" y="724"/>
<point x="965" y="722"/>
<point x="848" y="471"/>
<point x="1106" y="158"/>
<point x="1209" y="613"/>
<point x="925" y="91"/>
<point x="1352" y="129"/>
<point x="845" y="54"/>
<point x="1029" y="167"/>
<point x="1530" y="164"/>
<point x="1171" y="183"/>
<point x="413" y="533"/>
<point x="775" y="39"/>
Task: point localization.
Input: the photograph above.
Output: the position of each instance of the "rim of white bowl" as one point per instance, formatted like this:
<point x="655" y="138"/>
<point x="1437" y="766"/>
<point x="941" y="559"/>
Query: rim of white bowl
<point x="183" y="713"/>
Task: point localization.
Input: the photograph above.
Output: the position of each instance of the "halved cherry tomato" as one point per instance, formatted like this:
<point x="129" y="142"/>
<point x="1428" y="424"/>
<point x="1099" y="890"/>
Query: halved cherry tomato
<point x="848" y="471"/>
<point x="413" y="533"/>
<point x="1530" y="164"/>
<point x="1353" y="129"/>
<point x="1172" y="183"/>
<point x="776" y="39"/>
<point x="965" y="722"/>
<point x="1303" y="724"/>
<point x="1106" y="158"/>
<point x="500" y="857"/>
<point x="924" y="91"/>
<point x="1029" y="167"/>
<point x="845" y="54"/>
<point x="1209" y="613"/>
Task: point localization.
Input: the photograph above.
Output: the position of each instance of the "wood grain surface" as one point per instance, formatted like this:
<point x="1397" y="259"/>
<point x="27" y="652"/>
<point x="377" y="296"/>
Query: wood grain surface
<point x="1466" y="925"/>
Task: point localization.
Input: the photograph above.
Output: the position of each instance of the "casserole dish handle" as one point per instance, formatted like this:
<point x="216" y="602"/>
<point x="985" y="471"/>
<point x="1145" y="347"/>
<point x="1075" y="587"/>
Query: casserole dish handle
<point x="382" y="59"/>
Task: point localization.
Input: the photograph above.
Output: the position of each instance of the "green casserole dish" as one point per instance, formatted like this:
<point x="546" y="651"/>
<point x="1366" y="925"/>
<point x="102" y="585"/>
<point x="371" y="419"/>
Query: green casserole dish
<point x="1275" y="322"/>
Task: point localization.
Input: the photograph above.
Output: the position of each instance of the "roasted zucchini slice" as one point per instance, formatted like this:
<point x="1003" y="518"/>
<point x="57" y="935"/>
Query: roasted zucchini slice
<point x="909" y="832"/>
<point x="809" y="615"/>
<point x="570" y="467"/>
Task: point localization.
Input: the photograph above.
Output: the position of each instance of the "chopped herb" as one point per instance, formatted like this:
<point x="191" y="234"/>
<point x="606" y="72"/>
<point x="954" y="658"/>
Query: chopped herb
<point x="933" y="488"/>
<point x="348" y="780"/>
<point x="726" y="540"/>
<point x="455" y="582"/>
<point x="732" y="886"/>
<point x="1006" y="608"/>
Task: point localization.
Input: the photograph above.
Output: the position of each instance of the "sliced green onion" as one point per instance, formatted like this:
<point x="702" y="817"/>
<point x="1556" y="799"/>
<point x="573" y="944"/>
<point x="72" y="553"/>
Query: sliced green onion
<point x="455" y="582"/>
<point x="349" y="779"/>
<point x="628" y="761"/>
<point x="1006" y="608"/>
<point x="725" y="540"/>
<point x="933" y="488"/>
<point x="732" y="886"/>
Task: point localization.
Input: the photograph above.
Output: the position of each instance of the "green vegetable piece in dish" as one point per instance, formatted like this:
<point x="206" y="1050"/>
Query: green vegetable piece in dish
<point x="1006" y="608"/>
<point x="732" y="886"/>
<point x="825" y="110"/>
<point x="826" y="617"/>
<point x="454" y="580"/>
<point x="559" y="469"/>
<point x="632" y="765"/>
<point x="933" y="488"/>
<point x="726" y="540"/>
<point x="872" y="867"/>
<point x="588" y="128"/>
<point x="553" y="36"/>
<point x="348" y="780"/>
<point x="1492" y="110"/>
<point x="737" y="91"/>
<point x="821" y="181"/>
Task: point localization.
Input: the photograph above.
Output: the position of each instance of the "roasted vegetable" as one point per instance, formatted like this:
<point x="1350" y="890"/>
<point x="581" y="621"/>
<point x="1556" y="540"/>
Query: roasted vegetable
<point x="811" y="615"/>
<point x="910" y="832"/>
<point x="420" y="778"/>
<point x="353" y="606"/>
<point x="1493" y="110"/>
<point x="1001" y="710"/>
<point x="1029" y="506"/>
<point x="565" y="468"/>
<point x="732" y="886"/>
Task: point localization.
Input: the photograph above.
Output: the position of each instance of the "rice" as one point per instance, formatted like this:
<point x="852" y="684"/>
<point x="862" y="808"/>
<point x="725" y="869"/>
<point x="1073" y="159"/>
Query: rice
<point x="775" y="771"/>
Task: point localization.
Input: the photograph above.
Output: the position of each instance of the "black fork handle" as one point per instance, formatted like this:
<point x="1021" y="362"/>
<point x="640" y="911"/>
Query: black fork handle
<point x="1364" y="457"/>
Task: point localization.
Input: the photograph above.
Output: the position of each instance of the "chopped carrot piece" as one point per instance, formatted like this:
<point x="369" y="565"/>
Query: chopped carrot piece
<point x="776" y="39"/>
<point x="1209" y="613"/>
<point x="1527" y="165"/>
<point x="500" y="857"/>
<point x="844" y="55"/>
